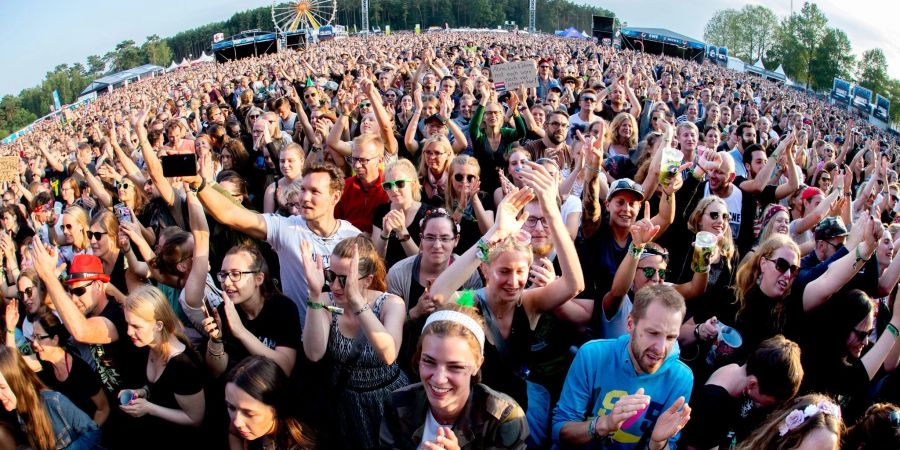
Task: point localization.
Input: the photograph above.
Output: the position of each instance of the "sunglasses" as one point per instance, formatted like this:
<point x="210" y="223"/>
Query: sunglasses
<point x="40" y="337"/>
<point x="862" y="335"/>
<point x="782" y="265"/>
<point x="254" y="116"/>
<point x="588" y="99"/>
<point x="122" y="185"/>
<point x="389" y="185"/>
<point x="330" y="277"/>
<point x="460" y="177"/>
<point x="96" y="235"/>
<point x="27" y="292"/>
<point x="714" y="215"/>
<point x="79" y="291"/>
<point x="310" y="95"/>
<point x="364" y="105"/>
<point x="650" y="271"/>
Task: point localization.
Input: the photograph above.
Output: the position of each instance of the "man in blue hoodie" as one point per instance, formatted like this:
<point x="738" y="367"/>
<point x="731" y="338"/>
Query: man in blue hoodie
<point x="630" y="392"/>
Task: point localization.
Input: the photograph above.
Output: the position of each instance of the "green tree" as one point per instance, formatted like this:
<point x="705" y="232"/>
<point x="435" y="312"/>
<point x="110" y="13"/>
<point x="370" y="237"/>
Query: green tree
<point x="807" y="29"/>
<point x="872" y="71"/>
<point x="748" y="33"/>
<point x="157" y="51"/>
<point x="833" y="58"/>
<point x="13" y="116"/>
<point x="126" y="56"/>
<point x="96" y="65"/>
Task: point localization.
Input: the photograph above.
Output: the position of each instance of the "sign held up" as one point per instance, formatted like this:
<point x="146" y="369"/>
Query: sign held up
<point x="9" y="168"/>
<point x="511" y="75"/>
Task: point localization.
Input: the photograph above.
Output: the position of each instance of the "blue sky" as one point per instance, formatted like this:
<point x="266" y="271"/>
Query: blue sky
<point x="36" y="36"/>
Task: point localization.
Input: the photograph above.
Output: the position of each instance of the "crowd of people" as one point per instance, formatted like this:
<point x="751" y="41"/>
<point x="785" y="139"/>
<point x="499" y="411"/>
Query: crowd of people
<point x="365" y="245"/>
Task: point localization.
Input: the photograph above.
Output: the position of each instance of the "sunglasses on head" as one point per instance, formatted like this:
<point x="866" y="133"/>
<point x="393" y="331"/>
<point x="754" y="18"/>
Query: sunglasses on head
<point x="96" y="235"/>
<point x="782" y="265"/>
<point x="714" y="215"/>
<point x="389" y="185"/>
<point x="650" y="271"/>
<point x="460" y="177"/>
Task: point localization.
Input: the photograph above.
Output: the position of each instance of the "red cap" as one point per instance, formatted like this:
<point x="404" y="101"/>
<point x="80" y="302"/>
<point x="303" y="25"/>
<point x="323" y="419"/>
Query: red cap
<point x="810" y="192"/>
<point x="86" y="268"/>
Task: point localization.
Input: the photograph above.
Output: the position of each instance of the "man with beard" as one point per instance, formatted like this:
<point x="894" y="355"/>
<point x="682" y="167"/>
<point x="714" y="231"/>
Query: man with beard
<point x="618" y="93"/>
<point x="553" y="144"/>
<point x="630" y="392"/>
<point x="746" y="134"/>
<point x="321" y="189"/>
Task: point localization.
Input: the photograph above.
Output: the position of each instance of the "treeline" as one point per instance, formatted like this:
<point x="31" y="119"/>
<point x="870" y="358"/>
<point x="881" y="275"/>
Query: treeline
<point x="811" y="51"/>
<point x="17" y="111"/>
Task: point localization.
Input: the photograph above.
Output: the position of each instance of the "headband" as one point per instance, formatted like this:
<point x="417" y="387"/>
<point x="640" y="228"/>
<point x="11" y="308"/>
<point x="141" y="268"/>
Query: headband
<point x="460" y="318"/>
<point x="798" y="417"/>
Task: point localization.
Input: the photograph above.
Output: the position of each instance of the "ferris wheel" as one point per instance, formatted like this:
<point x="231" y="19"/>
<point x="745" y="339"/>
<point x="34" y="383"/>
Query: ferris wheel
<point x="296" y="15"/>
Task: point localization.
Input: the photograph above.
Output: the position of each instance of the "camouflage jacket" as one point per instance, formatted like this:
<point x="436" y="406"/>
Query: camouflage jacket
<point x="490" y="420"/>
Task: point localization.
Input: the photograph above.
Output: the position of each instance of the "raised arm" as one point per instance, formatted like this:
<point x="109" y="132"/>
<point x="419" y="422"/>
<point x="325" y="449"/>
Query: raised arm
<point x="758" y="183"/>
<point x="227" y="212"/>
<point x="52" y="159"/>
<point x="818" y="291"/>
<point x="885" y="346"/>
<point x="793" y="183"/>
<point x="571" y="282"/>
<point x="195" y="285"/>
<point x="642" y="232"/>
<point x="381" y="116"/>
<point x="154" y="166"/>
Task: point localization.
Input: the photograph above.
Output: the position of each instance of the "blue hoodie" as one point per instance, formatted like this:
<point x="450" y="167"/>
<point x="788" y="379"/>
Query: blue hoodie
<point x="602" y="373"/>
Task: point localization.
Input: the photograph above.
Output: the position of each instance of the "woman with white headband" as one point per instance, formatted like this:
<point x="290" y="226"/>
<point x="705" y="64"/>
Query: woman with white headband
<point x="449" y="408"/>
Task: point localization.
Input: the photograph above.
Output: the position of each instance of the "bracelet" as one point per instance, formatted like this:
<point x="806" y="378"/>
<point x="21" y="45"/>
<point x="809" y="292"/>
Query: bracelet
<point x="635" y="250"/>
<point x="893" y="330"/>
<point x="218" y="354"/>
<point x="383" y="237"/>
<point x="362" y="310"/>
<point x="11" y="331"/>
<point x="859" y="257"/>
<point x="404" y="239"/>
<point x="200" y="187"/>
<point x="329" y="308"/>
<point x="593" y="170"/>
<point x="484" y="250"/>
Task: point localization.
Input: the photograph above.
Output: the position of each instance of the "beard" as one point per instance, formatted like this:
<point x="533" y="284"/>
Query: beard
<point x="541" y="251"/>
<point x="556" y="138"/>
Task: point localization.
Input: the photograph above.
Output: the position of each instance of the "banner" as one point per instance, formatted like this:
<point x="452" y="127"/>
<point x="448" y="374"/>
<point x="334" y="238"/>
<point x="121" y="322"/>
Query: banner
<point x="9" y="168"/>
<point x="723" y="55"/>
<point x="840" y="91"/>
<point x="510" y="75"/>
<point x="56" y="103"/>
<point x="218" y="37"/>
<point x="862" y="99"/>
<point x="882" y="109"/>
<point x="712" y="53"/>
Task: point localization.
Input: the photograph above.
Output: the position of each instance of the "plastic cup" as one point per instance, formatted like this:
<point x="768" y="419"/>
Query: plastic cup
<point x="633" y="419"/>
<point x="671" y="161"/>
<point x="703" y="249"/>
<point x="727" y="342"/>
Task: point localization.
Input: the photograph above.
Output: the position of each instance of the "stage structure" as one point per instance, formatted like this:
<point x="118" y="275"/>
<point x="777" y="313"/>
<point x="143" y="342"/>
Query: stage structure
<point x="661" y="41"/>
<point x="244" y="45"/>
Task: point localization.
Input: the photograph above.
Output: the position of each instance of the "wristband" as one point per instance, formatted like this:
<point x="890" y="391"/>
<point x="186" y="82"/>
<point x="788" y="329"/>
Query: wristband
<point x="383" y="237"/>
<point x="697" y="332"/>
<point x="200" y="187"/>
<point x="893" y="330"/>
<point x="484" y="250"/>
<point x="593" y="170"/>
<point x="329" y="308"/>
<point x="635" y="251"/>
<point x="404" y="239"/>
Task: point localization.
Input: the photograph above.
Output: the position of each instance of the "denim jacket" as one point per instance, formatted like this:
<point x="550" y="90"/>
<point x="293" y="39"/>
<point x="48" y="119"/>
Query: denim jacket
<point x="73" y="429"/>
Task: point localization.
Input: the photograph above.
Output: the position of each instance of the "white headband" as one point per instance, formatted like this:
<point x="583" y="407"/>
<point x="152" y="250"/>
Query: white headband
<point x="460" y="318"/>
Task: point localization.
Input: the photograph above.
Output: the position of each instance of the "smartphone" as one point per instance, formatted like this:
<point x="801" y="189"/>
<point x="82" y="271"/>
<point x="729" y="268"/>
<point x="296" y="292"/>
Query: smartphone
<point x="123" y="213"/>
<point x="181" y="165"/>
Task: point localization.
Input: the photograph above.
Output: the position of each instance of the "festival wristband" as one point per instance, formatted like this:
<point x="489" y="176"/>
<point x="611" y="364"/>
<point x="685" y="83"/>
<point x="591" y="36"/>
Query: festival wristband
<point x="893" y="330"/>
<point x="329" y="308"/>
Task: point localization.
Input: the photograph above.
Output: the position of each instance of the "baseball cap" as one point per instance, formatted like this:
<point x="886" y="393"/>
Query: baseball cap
<point x="830" y="227"/>
<point x="86" y="268"/>
<point x="810" y="192"/>
<point x="625" y="185"/>
<point x="435" y="118"/>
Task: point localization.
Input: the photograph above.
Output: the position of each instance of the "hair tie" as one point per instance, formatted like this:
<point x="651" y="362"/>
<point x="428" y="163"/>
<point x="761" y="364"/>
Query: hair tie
<point x="460" y="318"/>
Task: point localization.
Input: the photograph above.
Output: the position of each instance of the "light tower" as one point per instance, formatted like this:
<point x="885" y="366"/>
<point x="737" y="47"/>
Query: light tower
<point x="532" y="5"/>
<point x="365" y="16"/>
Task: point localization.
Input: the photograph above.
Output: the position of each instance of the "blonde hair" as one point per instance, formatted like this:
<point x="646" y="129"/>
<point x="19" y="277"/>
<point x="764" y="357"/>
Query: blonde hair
<point x="748" y="272"/>
<point x="149" y="303"/>
<point x="769" y="437"/>
<point x="438" y="141"/>
<point x="614" y="130"/>
<point x="447" y="328"/>
<point x="461" y="160"/>
<point x="726" y="245"/>
<point x="81" y="217"/>
<point x="405" y="166"/>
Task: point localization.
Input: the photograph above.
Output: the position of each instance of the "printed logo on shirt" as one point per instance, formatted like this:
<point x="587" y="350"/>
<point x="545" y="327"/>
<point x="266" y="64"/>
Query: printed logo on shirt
<point x="270" y="343"/>
<point x="647" y="420"/>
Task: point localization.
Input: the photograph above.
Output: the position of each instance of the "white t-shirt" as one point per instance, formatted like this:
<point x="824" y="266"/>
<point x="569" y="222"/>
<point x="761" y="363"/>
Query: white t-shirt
<point x="801" y="238"/>
<point x="429" y="433"/>
<point x="735" y="203"/>
<point x="284" y="235"/>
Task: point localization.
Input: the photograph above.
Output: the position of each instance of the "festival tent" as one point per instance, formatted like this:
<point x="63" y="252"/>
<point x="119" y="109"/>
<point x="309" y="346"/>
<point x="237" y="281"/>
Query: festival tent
<point x="663" y="41"/>
<point x="171" y="67"/>
<point x="759" y="69"/>
<point x="570" y="32"/>
<point x="184" y="62"/>
<point x="118" y="79"/>
<point x="204" y="58"/>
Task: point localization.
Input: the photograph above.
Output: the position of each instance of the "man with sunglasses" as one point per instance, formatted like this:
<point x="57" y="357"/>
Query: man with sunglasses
<point x="587" y="103"/>
<point x="362" y="191"/>
<point x="92" y="317"/>
<point x="545" y="78"/>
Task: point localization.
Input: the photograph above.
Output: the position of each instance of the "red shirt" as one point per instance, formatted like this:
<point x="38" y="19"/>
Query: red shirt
<point x="358" y="202"/>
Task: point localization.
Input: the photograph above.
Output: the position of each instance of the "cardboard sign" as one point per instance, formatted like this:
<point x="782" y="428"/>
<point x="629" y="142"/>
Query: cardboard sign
<point x="9" y="168"/>
<point x="511" y="75"/>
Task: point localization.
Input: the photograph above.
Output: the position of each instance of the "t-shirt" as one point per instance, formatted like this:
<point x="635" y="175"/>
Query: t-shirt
<point x="751" y="206"/>
<point x="358" y="202"/>
<point x="284" y="234"/>
<point x="718" y="419"/>
<point x="80" y="385"/>
<point x="182" y="376"/>
<point x="735" y="204"/>
<point x="395" y="250"/>
<point x="119" y="363"/>
<point x="276" y="325"/>
<point x="600" y="256"/>
<point x="801" y="238"/>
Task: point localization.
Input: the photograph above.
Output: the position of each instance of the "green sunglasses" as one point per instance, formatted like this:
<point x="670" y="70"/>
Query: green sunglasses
<point x="389" y="185"/>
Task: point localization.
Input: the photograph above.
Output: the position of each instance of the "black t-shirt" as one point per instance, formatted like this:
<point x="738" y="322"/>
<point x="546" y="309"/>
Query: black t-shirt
<point x="395" y="250"/>
<point x="600" y="256"/>
<point x="182" y="376"/>
<point x="276" y="325"/>
<point x="469" y="232"/>
<point x="764" y="317"/>
<point x="120" y="364"/>
<point x="847" y="382"/>
<point x="752" y="205"/>
<point x="717" y="419"/>
<point x="81" y="384"/>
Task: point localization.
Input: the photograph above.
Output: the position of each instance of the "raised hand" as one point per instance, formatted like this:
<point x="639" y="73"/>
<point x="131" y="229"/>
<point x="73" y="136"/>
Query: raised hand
<point x="541" y="273"/>
<point x="643" y="231"/>
<point x="353" y="292"/>
<point x="542" y="183"/>
<point x="314" y="270"/>
<point x="12" y="314"/>
<point x="510" y="216"/>
<point x="672" y="421"/>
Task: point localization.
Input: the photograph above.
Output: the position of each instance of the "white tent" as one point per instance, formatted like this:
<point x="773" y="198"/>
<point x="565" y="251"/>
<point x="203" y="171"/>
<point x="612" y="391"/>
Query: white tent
<point x="204" y="58"/>
<point x="171" y="67"/>
<point x="184" y="62"/>
<point x="759" y="64"/>
<point x="780" y="70"/>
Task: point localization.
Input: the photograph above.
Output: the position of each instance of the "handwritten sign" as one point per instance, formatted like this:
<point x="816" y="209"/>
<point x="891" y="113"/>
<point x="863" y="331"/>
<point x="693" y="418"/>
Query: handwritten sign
<point x="510" y="75"/>
<point x="9" y="168"/>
